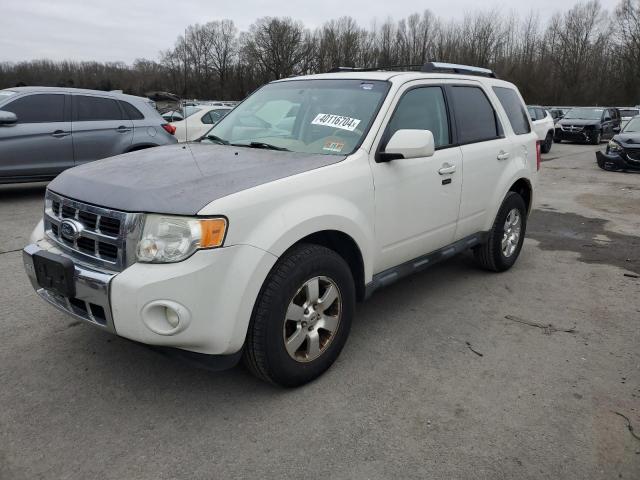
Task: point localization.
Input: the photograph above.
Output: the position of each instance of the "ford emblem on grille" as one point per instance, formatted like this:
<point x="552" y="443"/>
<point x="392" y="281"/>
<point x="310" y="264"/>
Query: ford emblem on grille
<point x="70" y="230"/>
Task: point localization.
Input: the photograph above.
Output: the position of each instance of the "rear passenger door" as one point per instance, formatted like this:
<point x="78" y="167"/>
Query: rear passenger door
<point x="40" y="143"/>
<point x="100" y="128"/>
<point x="416" y="199"/>
<point x="486" y="152"/>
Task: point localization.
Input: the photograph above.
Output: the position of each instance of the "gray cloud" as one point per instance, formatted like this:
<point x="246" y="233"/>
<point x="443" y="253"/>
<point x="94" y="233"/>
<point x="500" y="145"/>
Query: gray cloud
<point x="126" y="30"/>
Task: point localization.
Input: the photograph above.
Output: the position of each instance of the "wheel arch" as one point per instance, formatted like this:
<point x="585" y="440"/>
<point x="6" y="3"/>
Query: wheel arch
<point x="345" y="246"/>
<point x="523" y="187"/>
<point x="140" y="146"/>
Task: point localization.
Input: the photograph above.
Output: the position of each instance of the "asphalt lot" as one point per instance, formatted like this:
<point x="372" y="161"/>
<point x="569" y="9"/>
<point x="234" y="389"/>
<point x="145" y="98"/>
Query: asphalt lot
<point x="408" y="398"/>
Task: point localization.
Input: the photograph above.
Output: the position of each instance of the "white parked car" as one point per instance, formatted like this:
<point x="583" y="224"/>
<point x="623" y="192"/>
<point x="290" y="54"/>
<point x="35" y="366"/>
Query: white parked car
<point x="544" y="126"/>
<point x="257" y="242"/>
<point x="198" y="121"/>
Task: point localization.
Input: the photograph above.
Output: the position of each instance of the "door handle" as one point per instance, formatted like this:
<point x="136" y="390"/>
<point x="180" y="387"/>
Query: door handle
<point x="503" y="155"/>
<point x="60" y="134"/>
<point x="123" y="129"/>
<point x="447" y="169"/>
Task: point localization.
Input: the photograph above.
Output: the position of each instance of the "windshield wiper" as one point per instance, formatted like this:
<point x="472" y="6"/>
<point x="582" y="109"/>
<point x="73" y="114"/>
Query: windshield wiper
<point x="263" y="145"/>
<point x="216" y="139"/>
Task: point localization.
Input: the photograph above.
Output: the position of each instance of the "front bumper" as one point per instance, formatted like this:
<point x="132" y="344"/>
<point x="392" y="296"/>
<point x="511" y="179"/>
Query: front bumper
<point x="616" y="161"/>
<point x="580" y="136"/>
<point x="91" y="303"/>
<point x="214" y="292"/>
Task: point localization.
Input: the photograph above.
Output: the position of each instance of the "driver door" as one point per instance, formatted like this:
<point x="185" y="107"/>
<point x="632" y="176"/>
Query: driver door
<point x="417" y="200"/>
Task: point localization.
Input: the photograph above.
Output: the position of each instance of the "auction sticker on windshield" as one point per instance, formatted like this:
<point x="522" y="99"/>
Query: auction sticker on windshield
<point x="336" y="121"/>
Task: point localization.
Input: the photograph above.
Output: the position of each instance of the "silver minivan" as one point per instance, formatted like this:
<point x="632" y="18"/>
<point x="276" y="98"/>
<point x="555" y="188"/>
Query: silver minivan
<point x="45" y="130"/>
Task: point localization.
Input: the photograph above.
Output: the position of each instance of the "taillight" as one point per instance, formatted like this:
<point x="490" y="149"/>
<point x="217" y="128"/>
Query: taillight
<point x="538" y="155"/>
<point x="172" y="130"/>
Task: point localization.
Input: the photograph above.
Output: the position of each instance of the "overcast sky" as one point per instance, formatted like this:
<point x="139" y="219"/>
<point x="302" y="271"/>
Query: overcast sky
<point x="112" y="30"/>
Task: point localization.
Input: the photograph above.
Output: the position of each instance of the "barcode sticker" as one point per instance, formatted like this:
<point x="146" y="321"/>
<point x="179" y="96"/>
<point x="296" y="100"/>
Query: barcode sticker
<point x="336" y="121"/>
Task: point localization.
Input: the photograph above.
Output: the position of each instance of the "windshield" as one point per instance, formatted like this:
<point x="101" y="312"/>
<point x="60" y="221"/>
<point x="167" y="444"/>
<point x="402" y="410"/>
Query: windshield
<point x="330" y="117"/>
<point x="629" y="112"/>
<point x="584" y="114"/>
<point x="633" y="126"/>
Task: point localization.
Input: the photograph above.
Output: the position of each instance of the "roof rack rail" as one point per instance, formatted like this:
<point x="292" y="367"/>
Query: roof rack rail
<point x="375" y="69"/>
<point x="431" y="67"/>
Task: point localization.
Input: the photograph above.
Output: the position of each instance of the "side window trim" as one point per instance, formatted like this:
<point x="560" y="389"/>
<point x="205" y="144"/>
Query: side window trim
<point x="384" y="139"/>
<point x="499" y="128"/>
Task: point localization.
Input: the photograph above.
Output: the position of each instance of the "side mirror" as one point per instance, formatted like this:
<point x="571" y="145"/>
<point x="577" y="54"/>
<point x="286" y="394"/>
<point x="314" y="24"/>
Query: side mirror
<point x="409" y="144"/>
<point x="8" y="118"/>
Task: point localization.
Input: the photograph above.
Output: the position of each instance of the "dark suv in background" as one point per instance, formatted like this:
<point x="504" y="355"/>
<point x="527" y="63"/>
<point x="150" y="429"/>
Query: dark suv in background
<point x="588" y="124"/>
<point x="44" y="130"/>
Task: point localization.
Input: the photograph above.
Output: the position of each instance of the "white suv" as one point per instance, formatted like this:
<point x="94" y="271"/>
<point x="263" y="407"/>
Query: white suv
<point x="258" y="241"/>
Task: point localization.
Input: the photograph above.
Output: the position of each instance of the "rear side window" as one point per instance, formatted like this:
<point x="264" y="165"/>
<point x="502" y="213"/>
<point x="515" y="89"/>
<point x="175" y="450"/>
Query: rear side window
<point x="89" y="109"/>
<point x="422" y="108"/>
<point x="475" y="117"/>
<point x="516" y="113"/>
<point x="132" y="112"/>
<point x="39" y="108"/>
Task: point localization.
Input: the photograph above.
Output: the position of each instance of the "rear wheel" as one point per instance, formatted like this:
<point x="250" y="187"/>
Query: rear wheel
<point x="505" y="239"/>
<point x="302" y="317"/>
<point x="546" y="145"/>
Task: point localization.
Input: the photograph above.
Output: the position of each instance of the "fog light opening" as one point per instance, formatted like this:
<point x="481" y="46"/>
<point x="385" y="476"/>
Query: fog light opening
<point x="165" y="317"/>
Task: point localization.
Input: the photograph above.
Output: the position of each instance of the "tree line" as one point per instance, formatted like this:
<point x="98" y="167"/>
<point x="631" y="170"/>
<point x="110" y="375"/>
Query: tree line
<point x="581" y="56"/>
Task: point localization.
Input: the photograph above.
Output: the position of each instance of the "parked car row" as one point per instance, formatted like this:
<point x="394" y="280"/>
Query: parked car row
<point x="44" y="131"/>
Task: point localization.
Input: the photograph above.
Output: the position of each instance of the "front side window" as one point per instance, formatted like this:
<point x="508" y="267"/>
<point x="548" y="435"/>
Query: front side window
<point x="475" y="117"/>
<point x="88" y="109"/>
<point x="422" y="108"/>
<point x="329" y="117"/>
<point x="38" y="108"/>
<point x="213" y="117"/>
<point x="514" y="109"/>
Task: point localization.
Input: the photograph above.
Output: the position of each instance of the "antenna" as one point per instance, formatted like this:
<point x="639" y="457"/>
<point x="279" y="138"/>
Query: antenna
<point x="184" y="108"/>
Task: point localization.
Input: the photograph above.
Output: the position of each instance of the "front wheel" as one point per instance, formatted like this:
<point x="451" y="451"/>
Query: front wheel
<point x="596" y="139"/>
<point x="504" y="242"/>
<point x="302" y="317"/>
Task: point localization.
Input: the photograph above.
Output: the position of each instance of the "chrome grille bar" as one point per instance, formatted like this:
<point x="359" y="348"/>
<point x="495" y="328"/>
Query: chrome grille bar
<point x="105" y="238"/>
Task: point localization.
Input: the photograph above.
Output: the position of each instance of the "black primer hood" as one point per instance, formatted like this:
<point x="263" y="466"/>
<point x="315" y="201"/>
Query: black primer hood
<point x="179" y="179"/>
<point x="630" y="140"/>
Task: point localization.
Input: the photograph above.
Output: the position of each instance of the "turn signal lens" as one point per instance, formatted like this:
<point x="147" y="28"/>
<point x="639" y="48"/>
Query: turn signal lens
<point x="212" y="232"/>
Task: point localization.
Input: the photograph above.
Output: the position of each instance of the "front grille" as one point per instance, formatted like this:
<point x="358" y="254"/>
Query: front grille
<point x="633" y="154"/>
<point x="99" y="235"/>
<point x="572" y="128"/>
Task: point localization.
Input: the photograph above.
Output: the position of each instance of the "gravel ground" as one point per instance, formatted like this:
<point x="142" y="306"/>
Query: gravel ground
<point x="452" y="373"/>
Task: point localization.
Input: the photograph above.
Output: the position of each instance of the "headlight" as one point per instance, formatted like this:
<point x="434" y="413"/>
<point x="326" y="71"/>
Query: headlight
<point x="167" y="239"/>
<point x="614" y="146"/>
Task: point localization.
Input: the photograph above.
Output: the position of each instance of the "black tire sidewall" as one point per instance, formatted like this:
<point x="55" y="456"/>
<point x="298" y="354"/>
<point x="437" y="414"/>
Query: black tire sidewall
<point x="282" y="368"/>
<point x="511" y="201"/>
<point x="547" y="144"/>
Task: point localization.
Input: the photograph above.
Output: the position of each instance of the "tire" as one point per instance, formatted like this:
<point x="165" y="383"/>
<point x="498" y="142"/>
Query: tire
<point x="279" y="315"/>
<point x="491" y="255"/>
<point x="546" y="145"/>
<point x="597" y="138"/>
